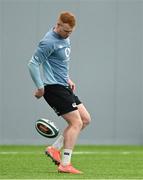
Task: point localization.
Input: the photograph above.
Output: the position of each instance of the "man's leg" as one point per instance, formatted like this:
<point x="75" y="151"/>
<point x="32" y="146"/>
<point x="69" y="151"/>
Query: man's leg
<point x="70" y="136"/>
<point x="72" y="131"/>
<point x="54" y="150"/>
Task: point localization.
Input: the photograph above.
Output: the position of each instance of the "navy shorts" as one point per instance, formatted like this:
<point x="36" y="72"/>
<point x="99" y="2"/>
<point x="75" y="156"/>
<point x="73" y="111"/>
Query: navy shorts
<point x="61" y="98"/>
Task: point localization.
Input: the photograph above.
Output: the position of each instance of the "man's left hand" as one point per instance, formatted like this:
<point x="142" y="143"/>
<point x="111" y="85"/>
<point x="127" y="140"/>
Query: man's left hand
<point x="71" y="84"/>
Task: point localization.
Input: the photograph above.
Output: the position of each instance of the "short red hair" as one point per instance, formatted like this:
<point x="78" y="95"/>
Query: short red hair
<point x="67" y="17"/>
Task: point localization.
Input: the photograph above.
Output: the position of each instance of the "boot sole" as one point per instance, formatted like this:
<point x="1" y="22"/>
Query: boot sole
<point x="53" y="160"/>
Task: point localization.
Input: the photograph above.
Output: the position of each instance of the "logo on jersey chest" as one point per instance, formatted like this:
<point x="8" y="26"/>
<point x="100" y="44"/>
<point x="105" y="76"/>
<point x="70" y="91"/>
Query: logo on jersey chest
<point x="67" y="52"/>
<point x="63" y="52"/>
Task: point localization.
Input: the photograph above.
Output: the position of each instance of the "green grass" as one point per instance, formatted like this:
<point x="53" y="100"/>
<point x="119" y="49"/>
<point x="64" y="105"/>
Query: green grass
<point x="97" y="162"/>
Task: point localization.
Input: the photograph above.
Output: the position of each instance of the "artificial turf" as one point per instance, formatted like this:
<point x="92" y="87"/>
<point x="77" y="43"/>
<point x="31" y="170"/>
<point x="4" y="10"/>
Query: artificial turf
<point x="97" y="162"/>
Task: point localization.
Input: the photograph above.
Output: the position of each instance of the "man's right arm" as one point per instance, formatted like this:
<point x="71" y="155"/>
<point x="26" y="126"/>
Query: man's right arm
<point x="34" y="70"/>
<point x="34" y="66"/>
<point x="35" y="73"/>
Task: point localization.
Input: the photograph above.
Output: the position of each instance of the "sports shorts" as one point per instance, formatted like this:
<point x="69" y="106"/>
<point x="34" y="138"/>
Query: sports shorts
<point x="61" y="98"/>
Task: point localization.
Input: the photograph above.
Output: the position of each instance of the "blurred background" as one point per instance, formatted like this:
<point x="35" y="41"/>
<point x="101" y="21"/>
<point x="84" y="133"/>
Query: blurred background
<point x="106" y="65"/>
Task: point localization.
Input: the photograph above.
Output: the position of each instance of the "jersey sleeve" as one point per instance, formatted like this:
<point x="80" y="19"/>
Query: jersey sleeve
<point x="35" y="74"/>
<point x="40" y="56"/>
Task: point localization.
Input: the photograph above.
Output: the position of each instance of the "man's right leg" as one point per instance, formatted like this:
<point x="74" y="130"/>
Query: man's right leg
<point x="70" y="136"/>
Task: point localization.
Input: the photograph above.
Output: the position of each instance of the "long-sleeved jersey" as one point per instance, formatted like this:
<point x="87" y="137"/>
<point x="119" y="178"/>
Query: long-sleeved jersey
<point x="53" y="52"/>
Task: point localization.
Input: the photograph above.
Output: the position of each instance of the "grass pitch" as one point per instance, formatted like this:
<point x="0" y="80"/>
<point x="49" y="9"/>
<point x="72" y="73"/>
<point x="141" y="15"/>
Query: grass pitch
<point x="97" y="162"/>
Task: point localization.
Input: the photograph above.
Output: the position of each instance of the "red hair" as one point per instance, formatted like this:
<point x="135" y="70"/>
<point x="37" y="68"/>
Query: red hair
<point x="67" y="17"/>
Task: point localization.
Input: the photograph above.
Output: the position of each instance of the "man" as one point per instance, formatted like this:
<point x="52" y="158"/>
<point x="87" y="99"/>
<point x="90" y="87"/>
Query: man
<point x="53" y="52"/>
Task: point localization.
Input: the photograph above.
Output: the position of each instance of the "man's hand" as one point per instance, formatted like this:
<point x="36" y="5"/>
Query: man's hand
<point x="71" y="84"/>
<point x="39" y="93"/>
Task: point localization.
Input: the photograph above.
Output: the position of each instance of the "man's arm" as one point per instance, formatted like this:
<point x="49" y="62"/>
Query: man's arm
<point x="34" y="69"/>
<point x="35" y="74"/>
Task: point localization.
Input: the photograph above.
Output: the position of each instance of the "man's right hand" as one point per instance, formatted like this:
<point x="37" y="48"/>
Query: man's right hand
<point x="39" y="93"/>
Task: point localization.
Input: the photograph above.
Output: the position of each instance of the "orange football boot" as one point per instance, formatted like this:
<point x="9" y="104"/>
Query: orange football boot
<point x="68" y="169"/>
<point x="54" y="154"/>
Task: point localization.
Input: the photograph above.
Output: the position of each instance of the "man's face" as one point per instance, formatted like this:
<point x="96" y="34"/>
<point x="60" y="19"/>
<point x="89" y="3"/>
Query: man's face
<point x="64" y="29"/>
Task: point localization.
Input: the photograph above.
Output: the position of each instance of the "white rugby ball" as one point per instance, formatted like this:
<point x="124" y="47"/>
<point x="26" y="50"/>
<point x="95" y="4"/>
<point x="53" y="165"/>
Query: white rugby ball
<point x="46" y="128"/>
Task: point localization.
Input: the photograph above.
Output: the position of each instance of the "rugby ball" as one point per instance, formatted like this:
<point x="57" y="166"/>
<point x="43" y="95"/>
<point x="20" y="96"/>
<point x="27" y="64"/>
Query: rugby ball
<point x="46" y="128"/>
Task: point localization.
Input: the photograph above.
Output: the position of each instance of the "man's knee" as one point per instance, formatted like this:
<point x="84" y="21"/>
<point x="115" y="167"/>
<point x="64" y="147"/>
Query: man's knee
<point x="73" y="118"/>
<point x="86" y="120"/>
<point x="78" y="124"/>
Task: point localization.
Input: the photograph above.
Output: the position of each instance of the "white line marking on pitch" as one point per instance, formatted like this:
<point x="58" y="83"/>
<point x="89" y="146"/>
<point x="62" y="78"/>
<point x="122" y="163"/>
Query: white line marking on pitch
<point x="76" y="152"/>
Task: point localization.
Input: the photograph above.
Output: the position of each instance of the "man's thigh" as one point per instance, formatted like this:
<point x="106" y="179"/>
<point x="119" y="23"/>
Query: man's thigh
<point x="73" y="117"/>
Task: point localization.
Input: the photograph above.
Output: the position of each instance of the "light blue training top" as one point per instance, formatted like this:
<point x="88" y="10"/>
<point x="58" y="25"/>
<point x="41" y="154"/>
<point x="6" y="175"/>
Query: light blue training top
<point x="53" y="52"/>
